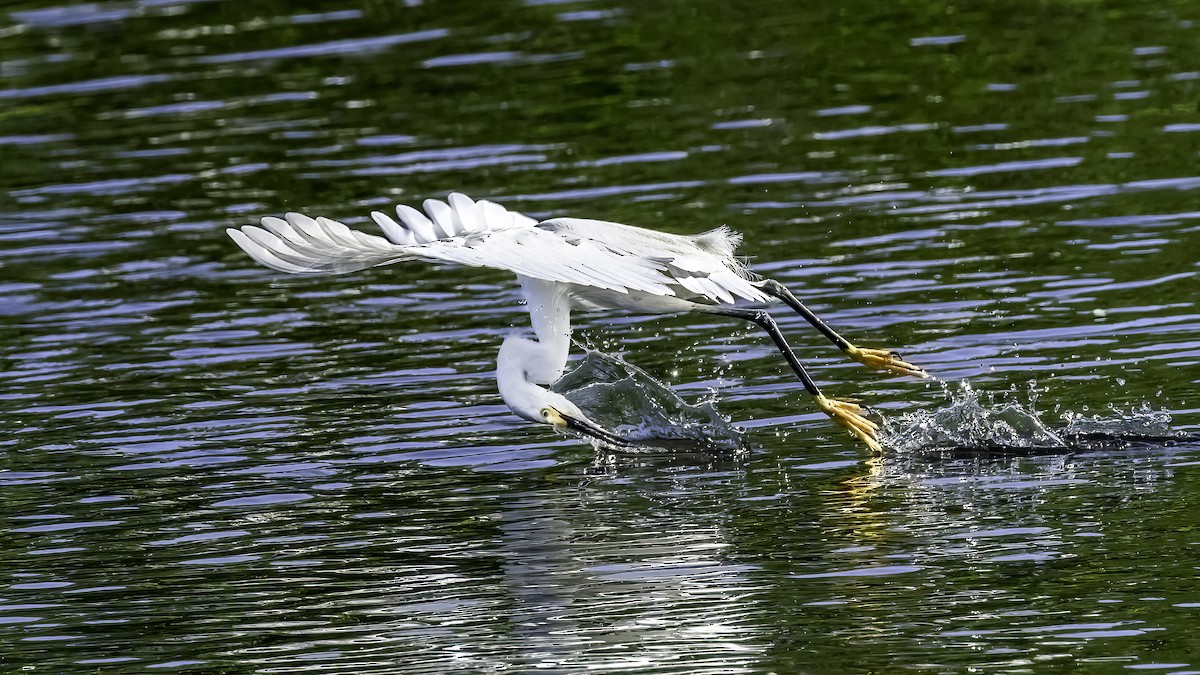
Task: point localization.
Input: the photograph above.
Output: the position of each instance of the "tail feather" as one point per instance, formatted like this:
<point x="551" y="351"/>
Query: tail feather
<point x="722" y="241"/>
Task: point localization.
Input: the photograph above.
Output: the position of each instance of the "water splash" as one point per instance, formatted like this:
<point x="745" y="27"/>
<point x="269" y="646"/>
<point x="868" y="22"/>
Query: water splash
<point x="1142" y="422"/>
<point x="978" y="421"/>
<point x="629" y="402"/>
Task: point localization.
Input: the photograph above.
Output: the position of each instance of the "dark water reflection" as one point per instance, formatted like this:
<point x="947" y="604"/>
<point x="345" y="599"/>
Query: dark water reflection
<point x="209" y="468"/>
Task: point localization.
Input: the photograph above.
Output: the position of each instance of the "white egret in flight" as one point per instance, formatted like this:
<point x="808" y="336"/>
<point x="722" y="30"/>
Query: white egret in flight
<point x="563" y="264"/>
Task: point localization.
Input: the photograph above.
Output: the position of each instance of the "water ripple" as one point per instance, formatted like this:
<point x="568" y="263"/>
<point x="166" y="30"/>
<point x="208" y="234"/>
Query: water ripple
<point x="331" y="48"/>
<point x="209" y="467"/>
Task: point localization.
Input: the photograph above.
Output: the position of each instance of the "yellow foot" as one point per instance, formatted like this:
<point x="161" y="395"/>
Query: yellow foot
<point x="885" y="359"/>
<point x="852" y="417"/>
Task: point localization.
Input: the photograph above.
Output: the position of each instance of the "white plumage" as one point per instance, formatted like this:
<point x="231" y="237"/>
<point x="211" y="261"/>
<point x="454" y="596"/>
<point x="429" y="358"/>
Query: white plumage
<point x="562" y="263"/>
<point x="587" y="253"/>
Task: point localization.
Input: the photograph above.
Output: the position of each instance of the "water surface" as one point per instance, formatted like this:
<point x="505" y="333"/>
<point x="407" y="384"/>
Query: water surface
<point x="212" y="467"/>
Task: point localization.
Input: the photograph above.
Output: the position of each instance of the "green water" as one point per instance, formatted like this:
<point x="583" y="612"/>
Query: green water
<point x="212" y="467"/>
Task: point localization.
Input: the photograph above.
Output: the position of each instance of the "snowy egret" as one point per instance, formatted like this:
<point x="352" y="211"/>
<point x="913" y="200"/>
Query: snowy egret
<point x="562" y="264"/>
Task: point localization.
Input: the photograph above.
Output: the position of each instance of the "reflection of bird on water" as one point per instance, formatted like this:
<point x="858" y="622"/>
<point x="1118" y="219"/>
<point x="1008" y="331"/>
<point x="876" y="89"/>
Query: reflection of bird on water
<point x="562" y="263"/>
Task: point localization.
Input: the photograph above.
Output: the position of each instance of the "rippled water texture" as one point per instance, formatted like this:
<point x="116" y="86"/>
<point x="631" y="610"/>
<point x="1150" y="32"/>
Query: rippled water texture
<point x="211" y="467"/>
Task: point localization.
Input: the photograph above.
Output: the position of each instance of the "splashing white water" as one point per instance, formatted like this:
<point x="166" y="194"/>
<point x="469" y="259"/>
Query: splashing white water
<point x="629" y="402"/>
<point x="976" y="421"/>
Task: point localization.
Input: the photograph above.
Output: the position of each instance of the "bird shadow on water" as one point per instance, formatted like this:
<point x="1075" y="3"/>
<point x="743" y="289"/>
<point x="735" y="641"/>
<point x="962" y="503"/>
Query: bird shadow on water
<point x="978" y="423"/>
<point x="630" y="403"/>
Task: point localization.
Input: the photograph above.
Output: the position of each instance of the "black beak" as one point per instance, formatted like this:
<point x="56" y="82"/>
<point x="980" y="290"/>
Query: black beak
<point x="589" y="429"/>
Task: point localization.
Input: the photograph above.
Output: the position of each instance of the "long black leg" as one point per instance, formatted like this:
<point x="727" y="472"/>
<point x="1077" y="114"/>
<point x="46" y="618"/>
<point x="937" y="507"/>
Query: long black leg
<point x="764" y="320"/>
<point x="780" y="291"/>
<point x="849" y="415"/>
<point x="879" y="359"/>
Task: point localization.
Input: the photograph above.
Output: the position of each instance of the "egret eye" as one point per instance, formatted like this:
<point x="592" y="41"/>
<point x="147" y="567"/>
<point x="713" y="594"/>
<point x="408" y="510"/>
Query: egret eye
<point x="545" y="413"/>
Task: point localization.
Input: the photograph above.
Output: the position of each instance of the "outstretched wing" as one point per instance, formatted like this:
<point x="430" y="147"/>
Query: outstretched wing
<point x="463" y="231"/>
<point x="702" y="265"/>
<point x="298" y="244"/>
<point x="588" y="253"/>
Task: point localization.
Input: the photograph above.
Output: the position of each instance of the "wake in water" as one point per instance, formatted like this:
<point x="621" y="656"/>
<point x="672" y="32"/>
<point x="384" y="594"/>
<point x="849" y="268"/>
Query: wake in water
<point x="977" y="422"/>
<point x="627" y="401"/>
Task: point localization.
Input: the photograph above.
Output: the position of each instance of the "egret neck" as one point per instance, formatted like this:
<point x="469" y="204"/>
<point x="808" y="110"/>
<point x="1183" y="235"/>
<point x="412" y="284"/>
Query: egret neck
<point x="550" y="314"/>
<point x="518" y="357"/>
<point x="523" y="366"/>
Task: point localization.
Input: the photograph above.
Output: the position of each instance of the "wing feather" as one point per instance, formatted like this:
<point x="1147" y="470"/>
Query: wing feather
<point x="293" y="254"/>
<point x="466" y="210"/>
<point x="391" y="229"/>
<point x="420" y="227"/>
<point x="686" y="260"/>
<point x="261" y="254"/>
<point x="445" y="221"/>
<point x="282" y="229"/>
<point x="587" y="253"/>
<point x="495" y="217"/>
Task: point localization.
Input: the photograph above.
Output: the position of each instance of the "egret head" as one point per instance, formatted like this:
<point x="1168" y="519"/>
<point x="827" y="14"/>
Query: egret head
<point x="519" y="375"/>
<point x="560" y="413"/>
